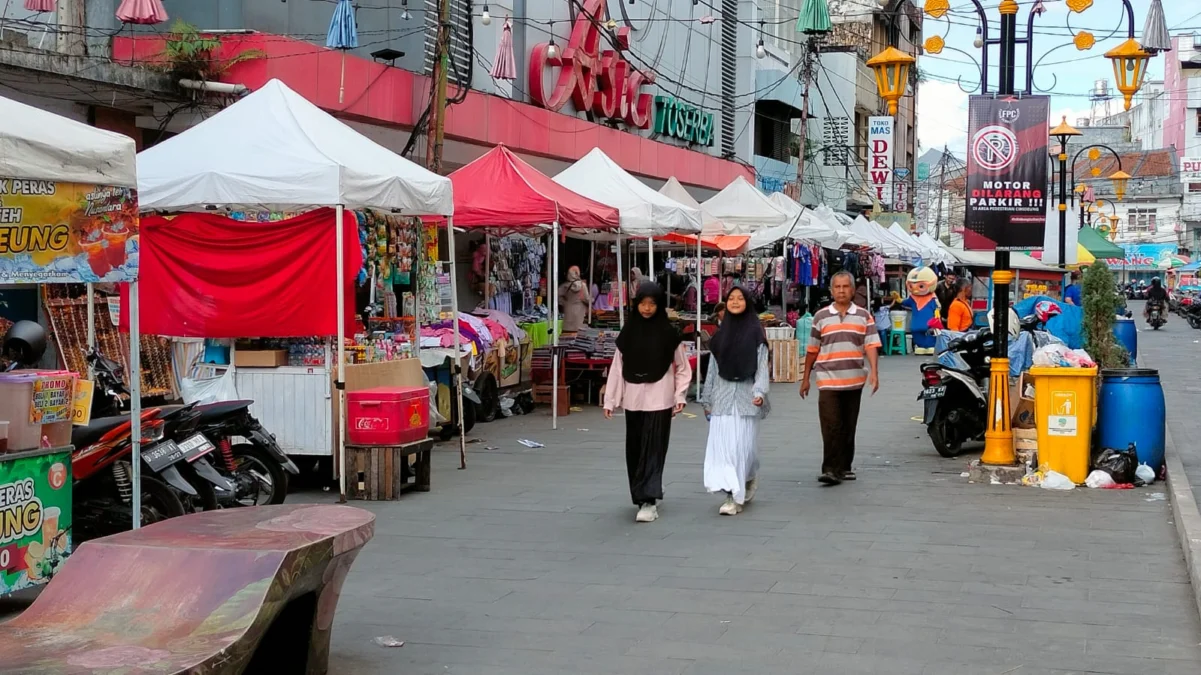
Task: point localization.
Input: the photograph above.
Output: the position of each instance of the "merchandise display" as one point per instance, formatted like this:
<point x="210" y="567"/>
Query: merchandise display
<point x="518" y="266"/>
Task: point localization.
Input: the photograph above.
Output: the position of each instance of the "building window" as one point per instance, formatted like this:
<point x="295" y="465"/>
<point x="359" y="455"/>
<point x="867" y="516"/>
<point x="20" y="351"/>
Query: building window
<point x="1199" y="121"/>
<point x="773" y="130"/>
<point x="1141" y="221"/>
<point x="1194" y="187"/>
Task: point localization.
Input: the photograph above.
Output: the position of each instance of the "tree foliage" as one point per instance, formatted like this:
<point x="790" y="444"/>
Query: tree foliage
<point x="1099" y="291"/>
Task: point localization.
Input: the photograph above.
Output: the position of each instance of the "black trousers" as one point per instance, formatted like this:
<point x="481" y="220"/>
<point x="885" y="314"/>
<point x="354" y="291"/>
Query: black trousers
<point x="838" y="411"/>
<point x="647" y="435"/>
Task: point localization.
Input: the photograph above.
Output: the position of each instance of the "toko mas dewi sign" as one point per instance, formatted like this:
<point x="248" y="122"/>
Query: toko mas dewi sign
<point x="596" y="80"/>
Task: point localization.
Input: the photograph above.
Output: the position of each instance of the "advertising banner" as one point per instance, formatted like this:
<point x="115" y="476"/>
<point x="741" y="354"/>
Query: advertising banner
<point x="67" y="232"/>
<point x="53" y="399"/>
<point x="1006" y="201"/>
<point x="35" y="517"/>
<point x="880" y="157"/>
<point x="1144" y="256"/>
<point x="1190" y="169"/>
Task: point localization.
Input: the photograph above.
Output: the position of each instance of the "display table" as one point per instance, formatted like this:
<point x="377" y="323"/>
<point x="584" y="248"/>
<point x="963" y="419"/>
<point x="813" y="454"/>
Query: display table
<point x="539" y="332"/>
<point x="34" y="556"/>
<point x="382" y="472"/>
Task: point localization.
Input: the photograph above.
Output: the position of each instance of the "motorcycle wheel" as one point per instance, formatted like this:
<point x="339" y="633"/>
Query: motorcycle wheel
<point x="250" y="458"/>
<point x="206" y="495"/>
<point x="939" y="437"/>
<point x="159" y="501"/>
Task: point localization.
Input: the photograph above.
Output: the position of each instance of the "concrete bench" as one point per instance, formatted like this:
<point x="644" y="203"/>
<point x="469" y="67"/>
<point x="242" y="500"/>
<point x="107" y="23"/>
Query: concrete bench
<point x="248" y="590"/>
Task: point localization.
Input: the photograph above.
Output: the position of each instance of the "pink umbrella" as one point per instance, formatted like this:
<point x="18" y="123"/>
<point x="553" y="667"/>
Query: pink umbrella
<point x="504" y="67"/>
<point x="39" y="5"/>
<point x="145" y="12"/>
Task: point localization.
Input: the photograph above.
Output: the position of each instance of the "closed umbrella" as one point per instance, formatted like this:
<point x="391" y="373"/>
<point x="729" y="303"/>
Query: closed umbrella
<point x="504" y="66"/>
<point x="343" y="34"/>
<point x="814" y="18"/>
<point x="145" y="12"/>
<point x="1155" y="30"/>
<point x="39" y="5"/>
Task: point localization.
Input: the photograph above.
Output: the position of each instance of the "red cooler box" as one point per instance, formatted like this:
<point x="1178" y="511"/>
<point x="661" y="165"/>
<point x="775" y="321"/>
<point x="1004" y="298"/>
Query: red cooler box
<point x="387" y="415"/>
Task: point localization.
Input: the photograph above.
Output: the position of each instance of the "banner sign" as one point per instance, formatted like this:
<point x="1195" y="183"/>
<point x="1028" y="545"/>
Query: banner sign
<point x="684" y="121"/>
<point x="35" y="517"/>
<point x="1006" y="200"/>
<point x="1190" y="169"/>
<point x="900" y="195"/>
<point x="879" y="157"/>
<point x="67" y="232"/>
<point x="601" y="82"/>
<point x="53" y="399"/>
<point x="1144" y="256"/>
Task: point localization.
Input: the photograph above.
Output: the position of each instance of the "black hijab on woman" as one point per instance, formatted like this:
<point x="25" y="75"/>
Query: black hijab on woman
<point x="735" y="345"/>
<point x="648" y="346"/>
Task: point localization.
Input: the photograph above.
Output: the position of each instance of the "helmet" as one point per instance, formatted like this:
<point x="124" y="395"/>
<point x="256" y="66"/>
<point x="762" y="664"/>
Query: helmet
<point x="1155" y="281"/>
<point x="1046" y="309"/>
<point x="25" y="342"/>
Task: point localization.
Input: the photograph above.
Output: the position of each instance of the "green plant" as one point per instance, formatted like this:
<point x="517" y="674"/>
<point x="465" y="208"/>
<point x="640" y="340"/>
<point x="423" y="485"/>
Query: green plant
<point x="190" y="54"/>
<point x="1099" y="291"/>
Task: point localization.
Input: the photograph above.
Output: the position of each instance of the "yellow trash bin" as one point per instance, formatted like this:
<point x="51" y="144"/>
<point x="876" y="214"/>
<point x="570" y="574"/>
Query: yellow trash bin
<point x="1064" y="400"/>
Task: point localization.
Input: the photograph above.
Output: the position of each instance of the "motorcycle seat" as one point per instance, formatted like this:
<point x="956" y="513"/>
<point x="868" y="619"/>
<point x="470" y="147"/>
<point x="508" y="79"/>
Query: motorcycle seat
<point x="213" y="411"/>
<point x="83" y="436"/>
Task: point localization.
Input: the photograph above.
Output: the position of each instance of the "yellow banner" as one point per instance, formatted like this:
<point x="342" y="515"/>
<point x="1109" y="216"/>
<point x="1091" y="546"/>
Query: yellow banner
<point x="67" y="232"/>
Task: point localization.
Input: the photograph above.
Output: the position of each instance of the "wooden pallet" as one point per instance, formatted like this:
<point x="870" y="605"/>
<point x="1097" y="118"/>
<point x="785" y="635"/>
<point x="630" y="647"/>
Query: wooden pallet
<point x="379" y="473"/>
<point x="785" y="360"/>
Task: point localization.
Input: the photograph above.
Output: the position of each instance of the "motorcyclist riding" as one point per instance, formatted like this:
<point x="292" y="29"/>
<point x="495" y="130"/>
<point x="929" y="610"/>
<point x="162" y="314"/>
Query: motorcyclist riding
<point x="1155" y="293"/>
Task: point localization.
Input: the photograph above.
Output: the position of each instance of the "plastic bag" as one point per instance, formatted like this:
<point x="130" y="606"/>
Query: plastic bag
<point x="1119" y="464"/>
<point x="1078" y="358"/>
<point x="1054" y="480"/>
<point x="209" y="389"/>
<point x="1051" y="356"/>
<point x="1099" y="479"/>
<point x="1145" y="473"/>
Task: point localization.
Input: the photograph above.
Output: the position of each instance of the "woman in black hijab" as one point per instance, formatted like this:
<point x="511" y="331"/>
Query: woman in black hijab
<point x="648" y="379"/>
<point x="735" y="399"/>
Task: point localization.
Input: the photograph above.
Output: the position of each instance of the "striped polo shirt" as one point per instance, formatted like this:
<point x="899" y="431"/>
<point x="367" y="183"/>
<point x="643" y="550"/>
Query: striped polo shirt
<point x="840" y="342"/>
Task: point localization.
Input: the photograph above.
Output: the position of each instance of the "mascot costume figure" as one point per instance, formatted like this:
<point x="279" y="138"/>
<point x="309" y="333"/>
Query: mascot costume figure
<point x="923" y="306"/>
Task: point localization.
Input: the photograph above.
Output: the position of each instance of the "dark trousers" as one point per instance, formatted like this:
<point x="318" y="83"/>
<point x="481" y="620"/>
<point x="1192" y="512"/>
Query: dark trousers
<point x="838" y="411"/>
<point x="647" y="435"/>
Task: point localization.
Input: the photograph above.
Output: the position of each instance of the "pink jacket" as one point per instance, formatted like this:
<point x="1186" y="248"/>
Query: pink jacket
<point x="661" y="395"/>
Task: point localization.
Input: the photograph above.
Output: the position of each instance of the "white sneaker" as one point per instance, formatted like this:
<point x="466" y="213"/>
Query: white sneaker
<point x="752" y="486"/>
<point x="730" y="507"/>
<point x="647" y="513"/>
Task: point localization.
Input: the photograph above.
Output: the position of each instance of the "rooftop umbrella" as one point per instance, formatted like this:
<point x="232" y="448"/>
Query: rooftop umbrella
<point x="343" y="34"/>
<point x="1155" y="31"/>
<point x="145" y="12"/>
<point x="39" y="5"/>
<point x="815" y="17"/>
<point x="504" y="66"/>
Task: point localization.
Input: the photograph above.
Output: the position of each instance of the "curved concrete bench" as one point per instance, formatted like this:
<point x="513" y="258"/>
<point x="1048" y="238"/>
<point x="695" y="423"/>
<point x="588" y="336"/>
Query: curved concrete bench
<point x="239" y="590"/>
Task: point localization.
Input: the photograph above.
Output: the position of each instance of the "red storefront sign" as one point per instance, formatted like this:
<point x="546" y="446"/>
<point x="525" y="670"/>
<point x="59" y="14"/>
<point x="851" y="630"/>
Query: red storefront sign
<point x="600" y="81"/>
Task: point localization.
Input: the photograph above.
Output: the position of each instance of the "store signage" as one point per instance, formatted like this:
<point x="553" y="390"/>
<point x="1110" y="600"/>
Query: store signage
<point x="1190" y="169"/>
<point x="684" y="121"/>
<point x="879" y="157"/>
<point x="1144" y="256"/>
<point x="923" y="171"/>
<point x="66" y="232"/>
<point x="598" y="81"/>
<point x="52" y="399"/>
<point x="35" y="518"/>
<point x="1006" y="204"/>
<point x="900" y="195"/>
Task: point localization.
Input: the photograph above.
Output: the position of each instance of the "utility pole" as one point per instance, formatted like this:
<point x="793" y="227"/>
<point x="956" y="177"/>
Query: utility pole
<point x="437" y="126"/>
<point x="806" y="77"/>
<point x="942" y="187"/>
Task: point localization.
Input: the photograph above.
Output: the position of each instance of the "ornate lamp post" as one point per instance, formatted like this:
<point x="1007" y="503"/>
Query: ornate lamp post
<point x="1063" y="133"/>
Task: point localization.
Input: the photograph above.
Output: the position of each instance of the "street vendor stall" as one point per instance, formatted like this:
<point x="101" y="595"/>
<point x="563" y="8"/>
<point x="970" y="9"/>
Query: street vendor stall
<point x="68" y="203"/>
<point x="219" y="277"/>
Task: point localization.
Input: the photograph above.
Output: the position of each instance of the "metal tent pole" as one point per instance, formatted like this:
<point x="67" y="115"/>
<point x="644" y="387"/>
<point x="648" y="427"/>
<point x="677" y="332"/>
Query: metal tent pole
<point x="457" y="363"/>
<point x="620" y="286"/>
<point x="554" y="323"/>
<point x="91" y="323"/>
<point x="135" y="400"/>
<point x="340" y="385"/>
<point x="591" y="277"/>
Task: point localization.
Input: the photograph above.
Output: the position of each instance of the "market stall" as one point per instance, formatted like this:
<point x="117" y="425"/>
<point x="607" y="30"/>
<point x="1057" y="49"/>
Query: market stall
<point x="68" y="202"/>
<point x="276" y="155"/>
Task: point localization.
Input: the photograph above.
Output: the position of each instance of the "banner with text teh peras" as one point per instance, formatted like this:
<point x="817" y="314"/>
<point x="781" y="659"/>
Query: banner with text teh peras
<point x="67" y="232"/>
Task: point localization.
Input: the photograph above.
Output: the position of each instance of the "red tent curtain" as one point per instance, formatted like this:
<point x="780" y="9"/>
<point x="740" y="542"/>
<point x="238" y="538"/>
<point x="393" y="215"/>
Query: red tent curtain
<point x="205" y="275"/>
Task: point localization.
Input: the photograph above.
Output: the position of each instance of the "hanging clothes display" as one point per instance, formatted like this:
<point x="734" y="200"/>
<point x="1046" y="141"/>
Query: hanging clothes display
<point x="518" y="266"/>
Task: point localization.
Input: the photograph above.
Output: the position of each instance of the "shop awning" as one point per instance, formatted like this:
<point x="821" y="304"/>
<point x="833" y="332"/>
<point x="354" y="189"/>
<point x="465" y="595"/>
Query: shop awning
<point x="39" y="145"/>
<point x="644" y="212"/>
<point x="1098" y="245"/>
<point x="275" y="150"/>
<point x="501" y="190"/>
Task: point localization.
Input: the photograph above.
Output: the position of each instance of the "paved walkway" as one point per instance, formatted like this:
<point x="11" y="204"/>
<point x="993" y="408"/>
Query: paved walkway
<point x="530" y="563"/>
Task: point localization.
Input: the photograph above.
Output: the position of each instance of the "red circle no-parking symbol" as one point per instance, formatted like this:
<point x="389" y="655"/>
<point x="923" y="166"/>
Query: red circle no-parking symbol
<point x="995" y="148"/>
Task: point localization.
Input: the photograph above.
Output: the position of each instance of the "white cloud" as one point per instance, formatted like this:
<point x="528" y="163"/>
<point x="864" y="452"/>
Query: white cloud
<point x="942" y="116"/>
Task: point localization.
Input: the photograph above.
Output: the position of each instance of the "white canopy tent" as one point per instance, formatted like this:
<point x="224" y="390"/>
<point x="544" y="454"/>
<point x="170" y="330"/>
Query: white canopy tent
<point x="804" y="226"/>
<point x="930" y="256"/>
<point x="742" y="207"/>
<point x="275" y="150"/>
<point x="941" y="254"/>
<point x="40" y="145"/>
<point x="877" y="238"/>
<point x="840" y="223"/>
<point x="710" y="225"/>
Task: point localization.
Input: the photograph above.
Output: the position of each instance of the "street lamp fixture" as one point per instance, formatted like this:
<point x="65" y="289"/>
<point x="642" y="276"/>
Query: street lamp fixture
<point x="1129" y="67"/>
<point x="1063" y="133"/>
<point x="1119" y="179"/>
<point x="892" y="75"/>
<point x="1112" y="228"/>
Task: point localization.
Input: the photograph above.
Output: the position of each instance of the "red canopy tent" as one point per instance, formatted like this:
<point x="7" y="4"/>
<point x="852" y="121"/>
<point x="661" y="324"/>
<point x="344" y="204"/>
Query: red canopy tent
<point x="502" y="191"/>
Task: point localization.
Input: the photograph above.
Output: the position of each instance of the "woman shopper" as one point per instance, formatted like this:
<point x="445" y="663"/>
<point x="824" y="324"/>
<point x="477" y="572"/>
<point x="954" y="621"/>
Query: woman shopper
<point x="959" y="315"/>
<point x="574" y="298"/>
<point x="648" y="379"/>
<point x="735" y="399"/>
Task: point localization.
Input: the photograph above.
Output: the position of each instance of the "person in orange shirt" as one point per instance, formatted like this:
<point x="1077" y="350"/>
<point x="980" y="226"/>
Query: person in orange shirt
<point x="960" y="316"/>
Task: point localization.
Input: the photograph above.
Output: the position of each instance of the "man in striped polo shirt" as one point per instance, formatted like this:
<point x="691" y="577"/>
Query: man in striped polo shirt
<point x="842" y="340"/>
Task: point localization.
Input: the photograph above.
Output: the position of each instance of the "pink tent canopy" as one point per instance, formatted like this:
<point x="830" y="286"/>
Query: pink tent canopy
<point x="502" y="190"/>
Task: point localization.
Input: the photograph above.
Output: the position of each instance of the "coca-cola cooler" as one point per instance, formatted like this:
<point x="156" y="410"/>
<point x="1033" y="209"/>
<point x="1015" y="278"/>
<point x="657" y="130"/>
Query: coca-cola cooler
<point x="387" y="415"/>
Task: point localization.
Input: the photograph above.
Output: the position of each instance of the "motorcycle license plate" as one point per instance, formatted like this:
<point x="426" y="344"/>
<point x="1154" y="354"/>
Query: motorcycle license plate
<point x="935" y="392"/>
<point x="162" y="455"/>
<point x="196" y="447"/>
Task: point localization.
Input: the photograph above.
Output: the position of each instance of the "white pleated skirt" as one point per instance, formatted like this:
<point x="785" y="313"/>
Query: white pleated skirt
<point x="732" y="454"/>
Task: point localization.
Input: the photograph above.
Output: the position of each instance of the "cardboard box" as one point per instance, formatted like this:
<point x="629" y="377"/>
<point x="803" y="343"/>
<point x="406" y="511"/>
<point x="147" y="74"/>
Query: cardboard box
<point x="510" y="363"/>
<point x="263" y="358"/>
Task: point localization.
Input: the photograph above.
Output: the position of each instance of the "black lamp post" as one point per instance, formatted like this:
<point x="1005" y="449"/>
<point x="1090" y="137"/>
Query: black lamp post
<point x="1063" y="133"/>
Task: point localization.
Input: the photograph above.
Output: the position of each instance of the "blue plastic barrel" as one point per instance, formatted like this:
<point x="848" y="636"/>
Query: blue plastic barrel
<point x="1127" y="334"/>
<point x="1131" y="410"/>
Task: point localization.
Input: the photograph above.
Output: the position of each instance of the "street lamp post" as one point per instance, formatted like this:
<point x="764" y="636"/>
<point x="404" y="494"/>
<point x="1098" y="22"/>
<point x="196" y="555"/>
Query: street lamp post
<point x="1063" y="133"/>
<point x="1129" y="63"/>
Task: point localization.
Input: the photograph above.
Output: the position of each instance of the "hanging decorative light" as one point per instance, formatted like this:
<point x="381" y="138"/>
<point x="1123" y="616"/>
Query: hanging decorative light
<point x="760" y="50"/>
<point x="552" y="49"/>
<point x="1129" y="68"/>
<point x="1120" y="179"/>
<point x="979" y="41"/>
<point x="892" y="75"/>
<point x="485" y="16"/>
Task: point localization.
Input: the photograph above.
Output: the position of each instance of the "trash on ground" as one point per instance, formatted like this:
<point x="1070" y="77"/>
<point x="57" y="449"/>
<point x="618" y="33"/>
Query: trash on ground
<point x="1099" y="479"/>
<point x="583" y="429"/>
<point x="388" y="641"/>
<point x="576" y="409"/>
<point x="530" y="444"/>
<point x="1146" y="473"/>
<point x="965" y="474"/>
<point x="1053" y="480"/>
<point x="491" y="447"/>
<point x="1119" y="464"/>
<point x="474" y="440"/>
<point x="1156" y="497"/>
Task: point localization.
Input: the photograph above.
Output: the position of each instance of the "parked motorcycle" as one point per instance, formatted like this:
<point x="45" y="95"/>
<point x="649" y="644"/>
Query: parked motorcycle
<point x="955" y="400"/>
<point x="1155" y="314"/>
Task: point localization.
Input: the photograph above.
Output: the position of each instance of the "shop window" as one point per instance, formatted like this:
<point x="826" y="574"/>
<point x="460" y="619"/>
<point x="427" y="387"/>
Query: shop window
<point x="773" y="130"/>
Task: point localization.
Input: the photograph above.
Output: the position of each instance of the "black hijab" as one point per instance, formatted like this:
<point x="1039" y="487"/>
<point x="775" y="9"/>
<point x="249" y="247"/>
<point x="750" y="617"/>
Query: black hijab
<point x="735" y="346"/>
<point x="648" y="346"/>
